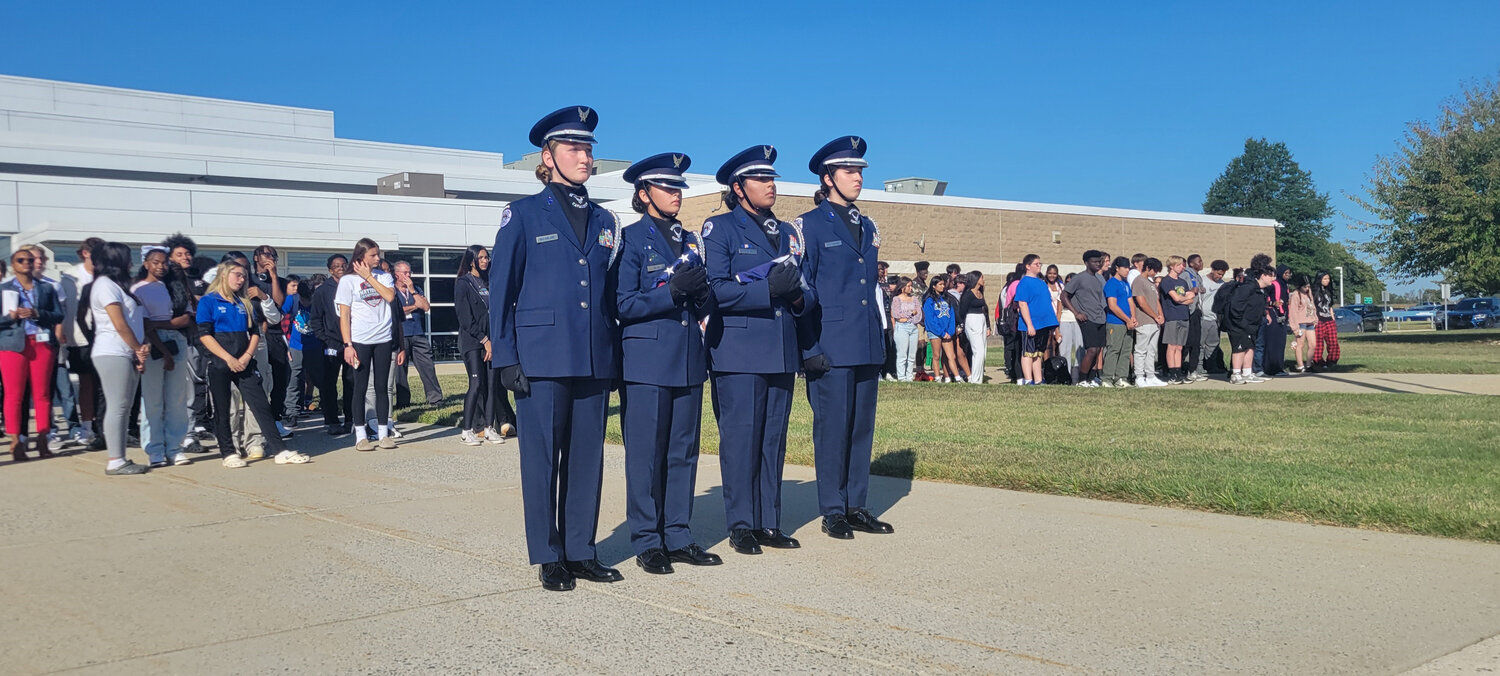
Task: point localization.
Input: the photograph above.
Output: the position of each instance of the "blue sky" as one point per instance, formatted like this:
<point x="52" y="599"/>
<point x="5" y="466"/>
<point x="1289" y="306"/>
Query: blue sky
<point x="1136" y="105"/>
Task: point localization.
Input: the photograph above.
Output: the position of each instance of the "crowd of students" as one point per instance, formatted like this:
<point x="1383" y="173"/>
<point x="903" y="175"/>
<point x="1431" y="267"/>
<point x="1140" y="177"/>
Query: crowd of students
<point x="1122" y="322"/>
<point x="183" y="349"/>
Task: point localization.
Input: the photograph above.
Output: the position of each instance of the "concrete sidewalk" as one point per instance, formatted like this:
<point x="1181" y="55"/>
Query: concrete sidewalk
<point x="1350" y="382"/>
<point x="413" y="560"/>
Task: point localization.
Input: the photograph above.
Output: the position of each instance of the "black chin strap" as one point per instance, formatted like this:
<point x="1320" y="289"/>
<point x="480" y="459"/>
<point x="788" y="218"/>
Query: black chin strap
<point x="828" y="171"/>
<point x="557" y="176"/>
<point x="745" y="200"/>
<point x="652" y="201"/>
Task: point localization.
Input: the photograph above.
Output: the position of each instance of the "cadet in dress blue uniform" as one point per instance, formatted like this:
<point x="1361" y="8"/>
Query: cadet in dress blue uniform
<point x="555" y="339"/>
<point x="662" y="293"/>
<point x="843" y="338"/>
<point x="752" y="343"/>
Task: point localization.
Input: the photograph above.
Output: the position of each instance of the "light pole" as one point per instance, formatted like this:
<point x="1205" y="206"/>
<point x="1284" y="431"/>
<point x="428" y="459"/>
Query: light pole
<point x="1342" y="297"/>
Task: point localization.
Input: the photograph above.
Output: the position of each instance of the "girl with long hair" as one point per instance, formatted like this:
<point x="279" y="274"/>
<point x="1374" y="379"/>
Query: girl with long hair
<point x="487" y="415"/>
<point x="974" y="312"/>
<point x="1055" y="287"/>
<point x="1326" y="332"/>
<point x="119" y="347"/>
<point x="937" y="315"/>
<point x="228" y="332"/>
<point x="164" y="383"/>
<point x="366" y="323"/>
<point x="27" y="354"/>
<point x="906" y="311"/>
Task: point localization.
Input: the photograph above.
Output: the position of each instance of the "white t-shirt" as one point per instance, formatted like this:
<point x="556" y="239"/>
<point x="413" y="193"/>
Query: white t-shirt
<point x="77" y="278"/>
<point x="106" y="340"/>
<point x="156" y="298"/>
<point x="369" y="314"/>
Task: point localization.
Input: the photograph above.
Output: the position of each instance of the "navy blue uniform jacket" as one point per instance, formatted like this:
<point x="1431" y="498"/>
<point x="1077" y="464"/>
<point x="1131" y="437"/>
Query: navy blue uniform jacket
<point x="661" y="342"/>
<point x="751" y="332"/>
<point x="551" y="310"/>
<point x="845" y="326"/>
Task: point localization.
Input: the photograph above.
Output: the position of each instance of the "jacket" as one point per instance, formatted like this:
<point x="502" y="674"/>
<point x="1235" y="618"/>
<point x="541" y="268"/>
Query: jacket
<point x="323" y="317"/>
<point x="1247" y="307"/>
<point x="661" y="342"/>
<point x="48" y="314"/>
<point x="471" y="300"/>
<point x="845" y="325"/>
<point x="1300" y="309"/>
<point x="752" y="332"/>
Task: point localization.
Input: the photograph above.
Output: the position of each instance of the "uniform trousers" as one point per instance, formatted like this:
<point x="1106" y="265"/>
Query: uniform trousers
<point x="843" y="404"/>
<point x="752" y="410"/>
<point x="661" y="429"/>
<point x="561" y="431"/>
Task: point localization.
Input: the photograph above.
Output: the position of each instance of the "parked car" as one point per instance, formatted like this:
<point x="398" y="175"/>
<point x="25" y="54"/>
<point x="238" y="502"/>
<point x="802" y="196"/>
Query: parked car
<point x="1425" y="312"/>
<point x="1471" y="313"/>
<point x="1372" y="316"/>
<point x="1349" y="321"/>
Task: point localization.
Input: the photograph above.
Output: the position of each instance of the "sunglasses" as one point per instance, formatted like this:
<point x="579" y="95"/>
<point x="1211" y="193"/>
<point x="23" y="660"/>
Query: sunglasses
<point x="22" y="260"/>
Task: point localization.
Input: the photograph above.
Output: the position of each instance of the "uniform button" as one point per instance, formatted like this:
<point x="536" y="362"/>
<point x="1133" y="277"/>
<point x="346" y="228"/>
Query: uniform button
<point x="864" y="302"/>
<point x="584" y="305"/>
<point x="861" y="281"/>
<point x="778" y="313"/>
<point x="583" y="261"/>
<point x="861" y="260"/>
<point x="684" y="322"/>
<point x="583" y="282"/>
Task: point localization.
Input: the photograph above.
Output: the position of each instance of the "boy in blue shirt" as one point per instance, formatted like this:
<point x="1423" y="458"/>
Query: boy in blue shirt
<point x="1118" y="323"/>
<point x="1037" y="321"/>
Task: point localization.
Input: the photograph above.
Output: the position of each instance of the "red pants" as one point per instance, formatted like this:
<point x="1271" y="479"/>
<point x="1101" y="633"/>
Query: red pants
<point x="34" y="364"/>
<point x="1326" y="349"/>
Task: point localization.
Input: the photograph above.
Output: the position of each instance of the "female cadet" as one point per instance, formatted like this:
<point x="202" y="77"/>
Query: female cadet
<point x="843" y="337"/>
<point x="752" y="259"/>
<point x="554" y="338"/>
<point x="662" y="294"/>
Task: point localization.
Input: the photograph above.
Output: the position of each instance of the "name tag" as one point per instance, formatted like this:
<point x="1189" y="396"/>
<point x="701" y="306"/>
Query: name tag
<point x="748" y="252"/>
<point x="834" y="243"/>
<point x="547" y="238"/>
<point x="656" y="268"/>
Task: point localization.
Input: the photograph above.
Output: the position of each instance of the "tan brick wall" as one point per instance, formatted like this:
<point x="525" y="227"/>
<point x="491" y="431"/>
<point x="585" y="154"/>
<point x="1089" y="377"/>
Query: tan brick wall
<point x="1003" y="237"/>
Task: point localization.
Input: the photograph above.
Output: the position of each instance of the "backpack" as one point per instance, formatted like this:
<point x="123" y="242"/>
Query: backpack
<point x="1009" y="315"/>
<point x="1221" y="300"/>
<point x="1055" y="371"/>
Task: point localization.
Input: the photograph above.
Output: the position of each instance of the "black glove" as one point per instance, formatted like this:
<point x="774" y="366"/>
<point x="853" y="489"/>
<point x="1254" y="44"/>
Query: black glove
<point x="512" y="379"/>
<point x="687" y="282"/>
<point x="815" y="366"/>
<point x="784" y="281"/>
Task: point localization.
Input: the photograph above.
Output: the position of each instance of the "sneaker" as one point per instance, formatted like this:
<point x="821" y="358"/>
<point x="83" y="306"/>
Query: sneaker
<point x="468" y="438"/>
<point x="283" y="431"/>
<point x="1123" y="383"/>
<point x="234" y="461"/>
<point x="1252" y="378"/>
<point x="56" y="439"/>
<point x="1235" y="379"/>
<point x="1104" y="383"/>
<point x="1258" y="374"/>
<point x="395" y="433"/>
<point x="364" y="445"/>
<point x="127" y="468"/>
<point x="1087" y="383"/>
<point x="255" y="452"/>
<point x="192" y="446"/>
<point x="1149" y="382"/>
<point x="158" y="464"/>
<point x="81" y="435"/>
<point x="1156" y="382"/>
<point x="493" y="436"/>
<point x="388" y="443"/>
<point x="181" y="459"/>
<point x="1098" y="382"/>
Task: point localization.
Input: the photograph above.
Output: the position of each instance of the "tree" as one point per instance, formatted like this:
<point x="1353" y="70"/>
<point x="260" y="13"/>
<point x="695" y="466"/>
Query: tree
<point x="1359" y="278"/>
<point x="1437" y="197"/>
<point x="1265" y="182"/>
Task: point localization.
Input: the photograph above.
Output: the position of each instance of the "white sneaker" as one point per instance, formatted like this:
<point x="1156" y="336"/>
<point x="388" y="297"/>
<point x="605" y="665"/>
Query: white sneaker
<point x="1122" y="383"/>
<point x="81" y="435"/>
<point x="181" y="459"/>
<point x="1158" y="382"/>
<point x="255" y="452"/>
<point x="1104" y="383"/>
<point x="234" y="461"/>
<point x="1149" y="382"/>
<point x="492" y="436"/>
<point x="469" y="439"/>
<point x="1235" y="379"/>
<point x="1252" y="378"/>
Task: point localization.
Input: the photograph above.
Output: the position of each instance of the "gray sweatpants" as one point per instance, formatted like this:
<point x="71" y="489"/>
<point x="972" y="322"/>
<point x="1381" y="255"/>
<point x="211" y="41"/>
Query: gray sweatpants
<point x="118" y="378"/>
<point x="1209" y="342"/>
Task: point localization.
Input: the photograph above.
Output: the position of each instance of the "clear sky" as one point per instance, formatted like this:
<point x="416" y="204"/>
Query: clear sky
<point x="1136" y="105"/>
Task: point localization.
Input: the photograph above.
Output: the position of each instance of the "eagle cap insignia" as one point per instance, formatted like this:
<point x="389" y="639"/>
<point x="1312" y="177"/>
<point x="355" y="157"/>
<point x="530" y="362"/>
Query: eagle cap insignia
<point x="676" y="161"/>
<point x="767" y="150"/>
<point x="583" y="114"/>
<point x="854" y="141"/>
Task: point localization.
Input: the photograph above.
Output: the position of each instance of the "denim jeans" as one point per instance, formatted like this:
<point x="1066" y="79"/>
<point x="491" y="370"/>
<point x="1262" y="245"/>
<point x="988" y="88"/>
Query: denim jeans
<point x="164" y="412"/>
<point x="906" y="337"/>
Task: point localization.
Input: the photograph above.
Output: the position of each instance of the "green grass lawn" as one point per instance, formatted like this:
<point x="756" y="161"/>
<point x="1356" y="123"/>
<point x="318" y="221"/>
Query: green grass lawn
<point x="1460" y="351"/>
<point x="1416" y="463"/>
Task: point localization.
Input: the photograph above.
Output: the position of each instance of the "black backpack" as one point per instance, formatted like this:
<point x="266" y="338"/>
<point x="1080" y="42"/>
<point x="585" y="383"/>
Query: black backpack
<point x="1221" y="300"/>
<point x="1009" y="315"/>
<point x="1055" y="371"/>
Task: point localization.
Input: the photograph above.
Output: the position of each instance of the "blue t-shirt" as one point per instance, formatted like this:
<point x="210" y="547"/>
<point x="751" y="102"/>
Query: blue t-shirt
<point x="1038" y="299"/>
<point x="1120" y="291"/>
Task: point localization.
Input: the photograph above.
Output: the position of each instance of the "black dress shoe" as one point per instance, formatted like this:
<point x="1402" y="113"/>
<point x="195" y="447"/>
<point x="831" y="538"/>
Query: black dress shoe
<point x="862" y="520"/>
<point x="694" y="555"/>
<point x="654" y="561"/>
<point x="743" y="540"/>
<point x="593" y="571"/>
<point x="555" y="577"/>
<point x="837" y="527"/>
<point x="775" y="539"/>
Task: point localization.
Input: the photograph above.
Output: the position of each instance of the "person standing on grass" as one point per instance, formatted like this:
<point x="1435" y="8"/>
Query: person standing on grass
<point x="957" y="287"/>
<point x="365" y="320"/>
<point x="937" y="318"/>
<point x="845" y="333"/>
<point x="1070" y="340"/>
<point x="919" y="282"/>
<point x="662" y="296"/>
<point x="164" y="383"/>
<point x="414" y="339"/>
<point x="1146" y="301"/>
<point x="1191" y="359"/>
<point x="1037" y="320"/>
<point x="1247" y="312"/>
<point x="119" y="347"/>
<point x="1007" y="313"/>
<point x="906" y="315"/>
<point x="27" y="353"/>
<point x="884" y="281"/>
<point x="1118" y="324"/>
<point x="1326" y="352"/>
<point x="1055" y="282"/>
<point x="1083" y="296"/>
<point x="228" y="331"/>
<point x="974" y="312"/>
<point x="1302" y="317"/>
<point x="1209" y="322"/>
<point x="1176" y="301"/>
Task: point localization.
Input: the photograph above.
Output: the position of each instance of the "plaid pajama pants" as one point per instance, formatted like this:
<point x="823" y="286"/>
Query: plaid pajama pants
<point x="1328" y="339"/>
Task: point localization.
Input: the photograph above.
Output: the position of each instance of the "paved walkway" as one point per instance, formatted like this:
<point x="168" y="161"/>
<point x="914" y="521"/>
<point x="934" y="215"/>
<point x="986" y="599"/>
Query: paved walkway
<point x="412" y="560"/>
<point x="1366" y="383"/>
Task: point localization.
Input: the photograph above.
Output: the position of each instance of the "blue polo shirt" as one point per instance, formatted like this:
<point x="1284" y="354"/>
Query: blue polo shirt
<point x="218" y="315"/>
<point x="1120" y="291"/>
<point x="1038" y="299"/>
